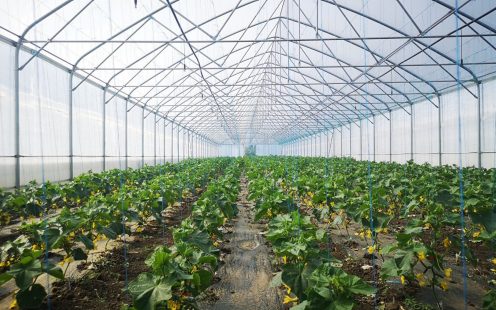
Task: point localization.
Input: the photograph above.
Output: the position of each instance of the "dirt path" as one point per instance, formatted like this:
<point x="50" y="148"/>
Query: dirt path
<point x="245" y="277"/>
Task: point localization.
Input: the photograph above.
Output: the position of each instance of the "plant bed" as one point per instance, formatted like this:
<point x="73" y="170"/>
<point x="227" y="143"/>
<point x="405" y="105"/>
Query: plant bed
<point x="104" y="285"/>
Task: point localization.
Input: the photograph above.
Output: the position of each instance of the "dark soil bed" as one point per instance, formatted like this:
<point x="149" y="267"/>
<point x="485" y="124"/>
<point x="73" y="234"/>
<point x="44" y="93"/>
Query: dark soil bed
<point x="103" y="286"/>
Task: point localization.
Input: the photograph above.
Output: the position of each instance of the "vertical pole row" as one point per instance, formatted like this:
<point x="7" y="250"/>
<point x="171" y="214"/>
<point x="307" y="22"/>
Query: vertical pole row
<point x="165" y="145"/>
<point x="411" y="133"/>
<point x="479" y="124"/>
<point x="350" y="142"/>
<point x="361" y="149"/>
<point x="17" y="120"/>
<point x="390" y="137"/>
<point x="155" y="139"/>
<point x="71" y="130"/>
<point x="126" y="137"/>
<point x="439" y="133"/>
<point x="143" y="137"/>
<point x="373" y="137"/>
<point x="177" y="143"/>
<point x="104" y="126"/>
<point x="172" y="142"/>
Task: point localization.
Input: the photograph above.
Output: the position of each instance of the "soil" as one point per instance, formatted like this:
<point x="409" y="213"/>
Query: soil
<point x="246" y="275"/>
<point x="391" y="294"/>
<point x="103" y="286"/>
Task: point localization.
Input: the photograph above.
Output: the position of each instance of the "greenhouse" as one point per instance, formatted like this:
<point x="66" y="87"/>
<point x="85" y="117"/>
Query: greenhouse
<point x="248" y="154"/>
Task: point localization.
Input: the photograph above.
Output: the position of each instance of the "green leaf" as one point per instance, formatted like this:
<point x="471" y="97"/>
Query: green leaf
<point x="341" y="303"/>
<point x="25" y="271"/>
<point x="205" y="278"/>
<point x="276" y="280"/>
<point x="296" y="277"/>
<point x="301" y="306"/>
<point x="486" y="218"/>
<point x="88" y="243"/>
<point x="78" y="254"/>
<point x="4" y="277"/>
<point x="413" y="230"/>
<point x="53" y="270"/>
<point x="489" y="300"/>
<point x="358" y="286"/>
<point x="149" y="290"/>
<point x="319" y="234"/>
<point x="389" y="269"/>
<point x="32" y="297"/>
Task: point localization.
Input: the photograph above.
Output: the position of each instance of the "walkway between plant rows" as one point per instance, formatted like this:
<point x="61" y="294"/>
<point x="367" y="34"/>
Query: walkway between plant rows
<point x="245" y="277"/>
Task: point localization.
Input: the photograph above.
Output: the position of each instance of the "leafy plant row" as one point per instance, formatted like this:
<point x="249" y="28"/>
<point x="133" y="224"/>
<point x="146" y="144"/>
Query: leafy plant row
<point x="420" y="205"/>
<point x="33" y="199"/>
<point x="312" y="278"/>
<point x="105" y="215"/>
<point x="181" y="272"/>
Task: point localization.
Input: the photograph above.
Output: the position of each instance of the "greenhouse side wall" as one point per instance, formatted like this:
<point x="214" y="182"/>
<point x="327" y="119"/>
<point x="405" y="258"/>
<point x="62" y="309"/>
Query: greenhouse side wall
<point x="118" y="134"/>
<point x="421" y="133"/>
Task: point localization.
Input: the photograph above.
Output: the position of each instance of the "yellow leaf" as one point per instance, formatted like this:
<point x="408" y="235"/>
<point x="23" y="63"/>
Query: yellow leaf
<point x="288" y="299"/>
<point x="421" y="255"/>
<point x="447" y="272"/>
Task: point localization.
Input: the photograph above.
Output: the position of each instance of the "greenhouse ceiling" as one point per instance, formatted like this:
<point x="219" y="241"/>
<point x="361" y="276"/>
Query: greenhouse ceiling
<point x="246" y="70"/>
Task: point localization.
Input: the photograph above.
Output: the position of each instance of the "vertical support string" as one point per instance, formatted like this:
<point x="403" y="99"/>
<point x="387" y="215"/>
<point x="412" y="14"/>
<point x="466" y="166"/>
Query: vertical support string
<point x="460" y="162"/>
<point x="369" y="170"/>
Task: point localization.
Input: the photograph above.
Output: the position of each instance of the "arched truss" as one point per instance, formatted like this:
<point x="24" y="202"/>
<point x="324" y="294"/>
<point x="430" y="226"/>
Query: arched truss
<point x="276" y="71"/>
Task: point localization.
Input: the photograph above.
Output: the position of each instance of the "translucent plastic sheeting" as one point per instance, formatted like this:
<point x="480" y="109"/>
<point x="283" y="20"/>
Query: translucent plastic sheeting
<point x="44" y="121"/>
<point x="149" y="139"/>
<point x="425" y="133"/>
<point x="244" y="50"/>
<point x="160" y="141"/>
<point x="88" y="128"/>
<point x="367" y="132"/>
<point x="134" y="132"/>
<point x="346" y="131"/>
<point x="355" y="140"/>
<point x="488" y="124"/>
<point x="267" y="149"/>
<point x="424" y="117"/>
<point x="168" y="142"/>
<point x="449" y="127"/>
<point x="7" y="116"/>
<point x="382" y="138"/>
<point x="115" y="134"/>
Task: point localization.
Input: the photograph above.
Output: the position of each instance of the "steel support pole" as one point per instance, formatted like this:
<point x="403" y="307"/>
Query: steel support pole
<point x="17" y="120"/>
<point x="177" y="143"/>
<point x="104" y="126"/>
<point x="479" y="125"/>
<point x="390" y="137"/>
<point x="172" y="142"/>
<point x="185" y="142"/>
<point x="411" y="132"/>
<point x="360" y="130"/>
<point x="142" y="137"/>
<point x="165" y="159"/>
<point x="374" y="117"/>
<point x="439" y="131"/>
<point x="71" y="131"/>
<point x="327" y="145"/>
<point x="126" y="137"/>
<point x="350" y="142"/>
<point x="155" y="139"/>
